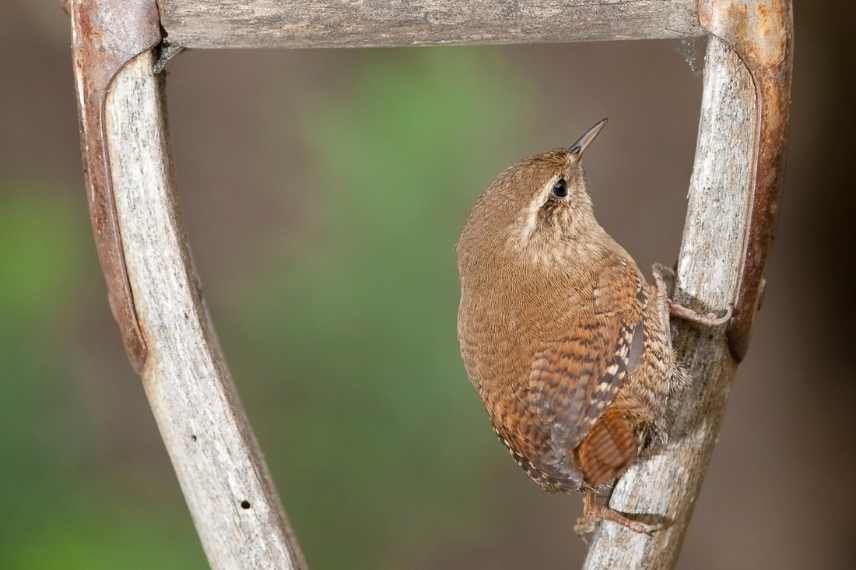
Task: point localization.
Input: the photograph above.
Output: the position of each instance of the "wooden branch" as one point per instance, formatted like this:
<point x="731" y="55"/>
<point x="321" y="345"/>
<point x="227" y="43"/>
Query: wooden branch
<point x="708" y="277"/>
<point x="733" y="201"/>
<point x="98" y="56"/>
<point x="232" y="499"/>
<point x="156" y="296"/>
<point x="337" y="23"/>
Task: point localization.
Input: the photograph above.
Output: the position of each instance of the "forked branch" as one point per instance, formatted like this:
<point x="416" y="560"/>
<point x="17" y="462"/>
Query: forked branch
<point x="156" y="297"/>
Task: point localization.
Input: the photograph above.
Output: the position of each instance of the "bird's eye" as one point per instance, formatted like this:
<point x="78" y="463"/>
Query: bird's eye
<point x="560" y="188"/>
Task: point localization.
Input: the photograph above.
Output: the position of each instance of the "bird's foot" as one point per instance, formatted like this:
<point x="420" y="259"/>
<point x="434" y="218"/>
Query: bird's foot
<point x="595" y="511"/>
<point x="661" y="274"/>
<point x="705" y="319"/>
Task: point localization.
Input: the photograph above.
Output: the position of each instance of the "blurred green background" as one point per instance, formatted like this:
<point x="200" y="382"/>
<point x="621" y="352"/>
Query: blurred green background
<point x="323" y="192"/>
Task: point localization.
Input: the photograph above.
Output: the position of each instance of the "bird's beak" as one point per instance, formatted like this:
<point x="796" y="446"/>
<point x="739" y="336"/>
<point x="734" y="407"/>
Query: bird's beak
<point x="579" y="147"/>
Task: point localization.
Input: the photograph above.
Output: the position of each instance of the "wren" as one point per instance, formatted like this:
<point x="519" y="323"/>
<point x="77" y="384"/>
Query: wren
<point x="565" y="341"/>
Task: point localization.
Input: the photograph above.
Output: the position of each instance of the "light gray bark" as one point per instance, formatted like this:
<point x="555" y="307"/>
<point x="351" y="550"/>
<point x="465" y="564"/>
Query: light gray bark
<point x="230" y="494"/>
<point x="708" y="273"/>
<point x="342" y="23"/>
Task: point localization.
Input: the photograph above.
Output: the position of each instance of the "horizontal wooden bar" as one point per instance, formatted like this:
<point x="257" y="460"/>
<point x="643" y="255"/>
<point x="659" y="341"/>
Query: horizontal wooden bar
<point x="381" y="23"/>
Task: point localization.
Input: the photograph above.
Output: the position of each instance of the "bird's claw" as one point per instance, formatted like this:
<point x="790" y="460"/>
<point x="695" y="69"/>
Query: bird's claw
<point x="594" y="512"/>
<point x="706" y="319"/>
<point x="661" y="275"/>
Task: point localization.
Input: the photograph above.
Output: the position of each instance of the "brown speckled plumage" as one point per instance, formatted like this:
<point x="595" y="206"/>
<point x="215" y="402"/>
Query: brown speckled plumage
<point x="562" y="336"/>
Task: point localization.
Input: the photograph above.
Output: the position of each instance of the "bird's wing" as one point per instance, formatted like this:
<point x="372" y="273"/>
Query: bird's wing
<point x="573" y="378"/>
<point x="578" y="376"/>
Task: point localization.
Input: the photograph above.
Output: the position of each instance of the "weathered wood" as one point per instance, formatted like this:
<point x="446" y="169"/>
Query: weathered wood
<point x="708" y="275"/>
<point x="761" y="32"/>
<point x="232" y="499"/>
<point x="97" y="56"/>
<point x="340" y="23"/>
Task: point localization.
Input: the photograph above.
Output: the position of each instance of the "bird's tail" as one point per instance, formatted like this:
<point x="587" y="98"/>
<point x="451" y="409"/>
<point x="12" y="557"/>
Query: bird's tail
<point x="607" y="450"/>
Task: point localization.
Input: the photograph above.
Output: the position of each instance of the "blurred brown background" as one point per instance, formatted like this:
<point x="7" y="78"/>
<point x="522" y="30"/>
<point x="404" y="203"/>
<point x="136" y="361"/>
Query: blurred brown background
<point x="323" y="192"/>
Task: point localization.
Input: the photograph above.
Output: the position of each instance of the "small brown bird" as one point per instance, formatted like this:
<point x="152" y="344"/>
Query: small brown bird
<point x="567" y="344"/>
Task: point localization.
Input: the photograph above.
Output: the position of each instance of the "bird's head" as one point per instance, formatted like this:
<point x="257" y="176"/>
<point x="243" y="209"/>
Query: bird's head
<point x="538" y="211"/>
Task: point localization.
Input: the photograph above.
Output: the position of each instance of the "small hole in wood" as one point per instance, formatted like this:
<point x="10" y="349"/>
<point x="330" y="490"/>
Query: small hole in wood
<point x="245" y="505"/>
<point x="193" y="437"/>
